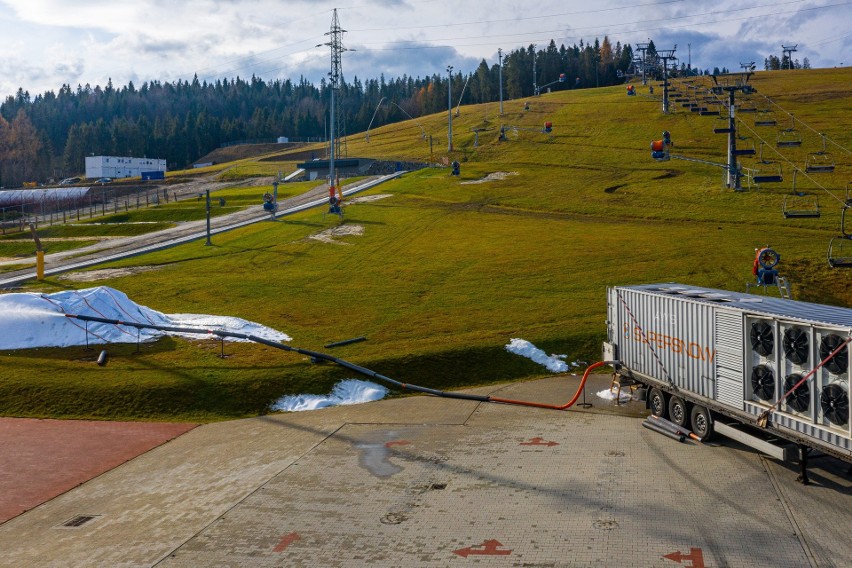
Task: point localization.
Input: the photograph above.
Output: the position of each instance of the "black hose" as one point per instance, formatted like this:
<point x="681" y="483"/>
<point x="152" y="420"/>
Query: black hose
<point x="279" y="345"/>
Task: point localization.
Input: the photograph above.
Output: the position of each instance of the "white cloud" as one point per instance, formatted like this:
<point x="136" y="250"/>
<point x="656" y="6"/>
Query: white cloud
<point x="51" y="42"/>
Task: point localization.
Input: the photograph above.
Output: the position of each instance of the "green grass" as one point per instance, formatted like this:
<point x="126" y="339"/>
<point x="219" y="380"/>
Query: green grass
<point x="446" y="273"/>
<point x="26" y="248"/>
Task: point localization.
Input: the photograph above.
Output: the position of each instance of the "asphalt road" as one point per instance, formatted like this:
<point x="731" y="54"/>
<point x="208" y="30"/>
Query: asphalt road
<point x="114" y="249"/>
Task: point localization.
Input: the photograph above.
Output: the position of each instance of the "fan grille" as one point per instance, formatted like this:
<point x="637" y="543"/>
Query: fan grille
<point x="838" y="364"/>
<point x="762" y="338"/>
<point x="796" y="345"/>
<point x="800" y="399"/>
<point x="762" y="382"/>
<point x="835" y="404"/>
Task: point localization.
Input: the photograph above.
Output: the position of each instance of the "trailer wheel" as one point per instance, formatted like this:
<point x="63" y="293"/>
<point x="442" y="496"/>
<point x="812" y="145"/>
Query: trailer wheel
<point x="678" y="411"/>
<point x="657" y="402"/>
<point x="702" y="423"/>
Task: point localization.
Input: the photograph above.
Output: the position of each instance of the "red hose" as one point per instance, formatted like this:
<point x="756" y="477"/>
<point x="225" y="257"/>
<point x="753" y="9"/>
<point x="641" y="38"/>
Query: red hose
<point x="566" y="406"/>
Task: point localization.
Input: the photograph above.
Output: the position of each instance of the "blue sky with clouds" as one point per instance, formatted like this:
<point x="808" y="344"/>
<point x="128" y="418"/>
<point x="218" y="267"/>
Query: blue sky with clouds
<point x="47" y="43"/>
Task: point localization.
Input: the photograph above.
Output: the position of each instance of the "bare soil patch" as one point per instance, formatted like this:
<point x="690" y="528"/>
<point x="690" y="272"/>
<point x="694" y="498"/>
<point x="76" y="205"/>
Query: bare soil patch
<point x="330" y="235"/>
<point x="104" y="273"/>
<point x="493" y="176"/>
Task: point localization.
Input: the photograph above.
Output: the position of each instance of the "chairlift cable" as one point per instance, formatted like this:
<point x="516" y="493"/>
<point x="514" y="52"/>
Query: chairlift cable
<point x="786" y="160"/>
<point x="806" y="125"/>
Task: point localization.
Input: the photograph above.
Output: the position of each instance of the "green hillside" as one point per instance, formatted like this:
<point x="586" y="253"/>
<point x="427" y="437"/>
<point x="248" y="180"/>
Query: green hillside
<point x="441" y="272"/>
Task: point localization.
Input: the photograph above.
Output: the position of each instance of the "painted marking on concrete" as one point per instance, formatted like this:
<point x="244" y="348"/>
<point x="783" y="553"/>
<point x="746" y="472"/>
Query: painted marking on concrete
<point x="393" y="443"/>
<point x="487" y="548"/>
<point x="539" y="442"/>
<point x="286" y="541"/>
<point x="696" y="556"/>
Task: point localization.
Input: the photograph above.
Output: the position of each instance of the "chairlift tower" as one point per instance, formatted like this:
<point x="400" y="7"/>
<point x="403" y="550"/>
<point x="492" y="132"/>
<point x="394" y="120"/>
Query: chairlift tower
<point x="665" y="55"/>
<point x="336" y="44"/>
<point x="500" y="75"/>
<point x="731" y="83"/>
<point x="787" y="52"/>
<point x="535" y="81"/>
<point x="450" y="108"/>
<point x="643" y="48"/>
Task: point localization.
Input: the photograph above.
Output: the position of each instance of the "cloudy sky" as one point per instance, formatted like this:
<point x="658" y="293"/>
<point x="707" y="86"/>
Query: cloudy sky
<point x="48" y="43"/>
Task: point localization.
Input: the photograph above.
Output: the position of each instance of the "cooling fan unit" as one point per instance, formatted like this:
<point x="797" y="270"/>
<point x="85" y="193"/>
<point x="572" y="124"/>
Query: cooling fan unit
<point x="800" y="399"/>
<point x="835" y="404"/>
<point x="762" y="382"/>
<point x="796" y="345"/>
<point x="762" y="338"/>
<point x="840" y="362"/>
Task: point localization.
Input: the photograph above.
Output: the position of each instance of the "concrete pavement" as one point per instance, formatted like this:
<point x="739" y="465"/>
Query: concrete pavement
<point x="422" y="481"/>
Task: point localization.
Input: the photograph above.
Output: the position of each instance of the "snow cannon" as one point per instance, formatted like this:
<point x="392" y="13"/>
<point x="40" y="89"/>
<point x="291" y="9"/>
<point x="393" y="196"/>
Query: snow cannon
<point x="659" y="150"/>
<point x="765" y="261"/>
<point x="335" y="200"/>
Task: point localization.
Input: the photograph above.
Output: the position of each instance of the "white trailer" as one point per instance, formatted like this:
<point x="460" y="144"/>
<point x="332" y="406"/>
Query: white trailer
<point x="728" y="362"/>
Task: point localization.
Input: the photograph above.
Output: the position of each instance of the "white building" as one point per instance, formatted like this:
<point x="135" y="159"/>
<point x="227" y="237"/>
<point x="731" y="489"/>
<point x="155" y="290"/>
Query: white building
<point x="121" y="167"/>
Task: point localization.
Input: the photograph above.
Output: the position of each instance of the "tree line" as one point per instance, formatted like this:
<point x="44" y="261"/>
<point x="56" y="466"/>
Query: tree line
<point x="47" y="137"/>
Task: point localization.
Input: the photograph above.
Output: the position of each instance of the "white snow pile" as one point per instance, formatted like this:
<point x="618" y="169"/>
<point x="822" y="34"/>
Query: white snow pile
<point x="30" y="320"/>
<point x="623" y="396"/>
<point x="350" y="391"/>
<point x="554" y="363"/>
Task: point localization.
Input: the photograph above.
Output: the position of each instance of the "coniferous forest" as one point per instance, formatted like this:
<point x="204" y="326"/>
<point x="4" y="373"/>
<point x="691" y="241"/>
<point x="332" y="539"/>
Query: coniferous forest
<point x="46" y="136"/>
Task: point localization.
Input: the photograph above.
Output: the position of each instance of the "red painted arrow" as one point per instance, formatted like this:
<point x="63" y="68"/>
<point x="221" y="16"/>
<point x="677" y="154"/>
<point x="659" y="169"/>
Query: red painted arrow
<point x="487" y="548"/>
<point x="286" y="541"/>
<point x="695" y="555"/>
<point x="396" y="443"/>
<point x="539" y="442"/>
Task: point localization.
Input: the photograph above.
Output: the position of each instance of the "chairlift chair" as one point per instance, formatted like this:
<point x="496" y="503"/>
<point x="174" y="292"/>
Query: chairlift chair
<point x="820" y="162"/>
<point x="798" y="205"/>
<point x="791" y="210"/>
<point x="788" y="138"/>
<point x="767" y="120"/>
<point x="755" y="176"/>
<point x="840" y="252"/>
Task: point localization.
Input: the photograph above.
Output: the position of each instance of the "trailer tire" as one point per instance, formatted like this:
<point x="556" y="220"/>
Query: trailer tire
<point x="702" y="423"/>
<point x="678" y="411"/>
<point x="657" y="402"/>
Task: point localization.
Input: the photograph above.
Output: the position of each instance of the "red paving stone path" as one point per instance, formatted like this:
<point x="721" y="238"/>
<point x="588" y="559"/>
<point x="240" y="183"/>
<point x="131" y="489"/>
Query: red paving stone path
<point x="40" y="459"/>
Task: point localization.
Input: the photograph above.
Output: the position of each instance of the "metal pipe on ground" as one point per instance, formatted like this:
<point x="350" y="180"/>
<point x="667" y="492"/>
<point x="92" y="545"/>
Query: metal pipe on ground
<point x="667" y="433"/>
<point x="671" y="426"/>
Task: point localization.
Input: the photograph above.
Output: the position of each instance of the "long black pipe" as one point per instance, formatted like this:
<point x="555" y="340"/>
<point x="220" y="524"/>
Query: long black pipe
<point x="663" y="431"/>
<point x="279" y="345"/>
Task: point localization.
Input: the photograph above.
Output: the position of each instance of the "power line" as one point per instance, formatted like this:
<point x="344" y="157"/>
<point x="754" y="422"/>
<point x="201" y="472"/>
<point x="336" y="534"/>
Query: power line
<point x="515" y="20"/>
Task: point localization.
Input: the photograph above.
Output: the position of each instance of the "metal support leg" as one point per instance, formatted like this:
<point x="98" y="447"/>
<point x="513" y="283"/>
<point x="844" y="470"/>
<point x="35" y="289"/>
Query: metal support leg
<point x="803" y="465"/>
